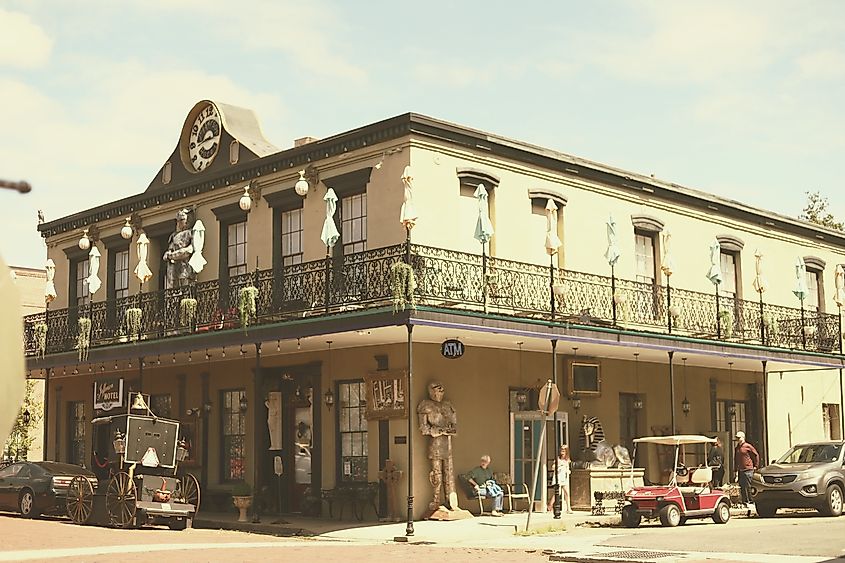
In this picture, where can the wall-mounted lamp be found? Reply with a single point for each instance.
(26, 417)
(243, 404)
(521, 398)
(328, 398)
(576, 403)
(84, 241)
(126, 232)
(307, 178)
(251, 193)
(685, 406)
(638, 401)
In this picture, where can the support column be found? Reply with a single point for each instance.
(258, 445)
(46, 420)
(672, 388)
(765, 412)
(558, 504)
(409, 527)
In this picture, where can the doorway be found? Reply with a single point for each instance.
(526, 433)
(291, 420)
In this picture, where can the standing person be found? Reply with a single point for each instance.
(716, 462)
(482, 479)
(564, 470)
(746, 460)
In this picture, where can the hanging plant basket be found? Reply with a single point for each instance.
(133, 322)
(771, 324)
(187, 311)
(246, 304)
(83, 339)
(39, 334)
(726, 320)
(404, 284)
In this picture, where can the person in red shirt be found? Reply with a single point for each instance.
(746, 460)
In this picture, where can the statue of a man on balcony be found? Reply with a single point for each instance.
(179, 250)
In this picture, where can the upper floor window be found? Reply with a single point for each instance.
(353, 223)
(644, 252)
(83, 297)
(121, 274)
(292, 237)
(729, 274)
(236, 248)
(813, 301)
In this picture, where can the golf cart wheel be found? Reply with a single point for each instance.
(630, 517)
(121, 498)
(833, 501)
(765, 510)
(80, 499)
(722, 513)
(670, 515)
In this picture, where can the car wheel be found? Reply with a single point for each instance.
(630, 517)
(26, 504)
(722, 513)
(833, 504)
(670, 515)
(765, 510)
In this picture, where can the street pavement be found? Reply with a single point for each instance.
(793, 538)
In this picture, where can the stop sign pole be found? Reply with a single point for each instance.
(548, 400)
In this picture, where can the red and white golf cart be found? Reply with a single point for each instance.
(687, 495)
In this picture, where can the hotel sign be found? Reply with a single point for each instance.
(108, 393)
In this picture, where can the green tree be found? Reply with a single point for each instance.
(816, 211)
(21, 437)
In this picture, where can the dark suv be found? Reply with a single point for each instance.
(807, 476)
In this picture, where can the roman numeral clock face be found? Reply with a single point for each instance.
(204, 138)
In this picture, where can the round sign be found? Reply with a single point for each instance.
(548, 397)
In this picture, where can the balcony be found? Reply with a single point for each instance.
(446, 280)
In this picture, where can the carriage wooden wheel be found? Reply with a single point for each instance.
(189, 491)
(121, 498)
(80, 499)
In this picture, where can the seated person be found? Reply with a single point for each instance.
(482, 479)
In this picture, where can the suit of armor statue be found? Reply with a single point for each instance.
(179, 251)
(438, 420)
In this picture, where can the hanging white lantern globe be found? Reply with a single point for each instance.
(84, 242)
(301, 186)
(126, 231)
(245, 203)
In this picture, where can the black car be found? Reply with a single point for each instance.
(38, 487)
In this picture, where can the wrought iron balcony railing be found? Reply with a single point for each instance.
(445, 279)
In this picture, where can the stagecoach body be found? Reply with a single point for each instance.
(139, 482)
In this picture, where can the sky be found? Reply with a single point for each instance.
(739, 99)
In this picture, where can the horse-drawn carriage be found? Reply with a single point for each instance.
(140, 482)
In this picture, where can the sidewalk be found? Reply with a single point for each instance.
(476, 528)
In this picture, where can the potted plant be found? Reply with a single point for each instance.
(242, 499)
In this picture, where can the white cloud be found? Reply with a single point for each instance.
(310, 33)
(691, 42)
(23, 43)
(825, 64)
(78, 155)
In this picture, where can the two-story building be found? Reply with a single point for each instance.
(289, 355)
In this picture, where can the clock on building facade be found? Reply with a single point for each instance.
(203, 138)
